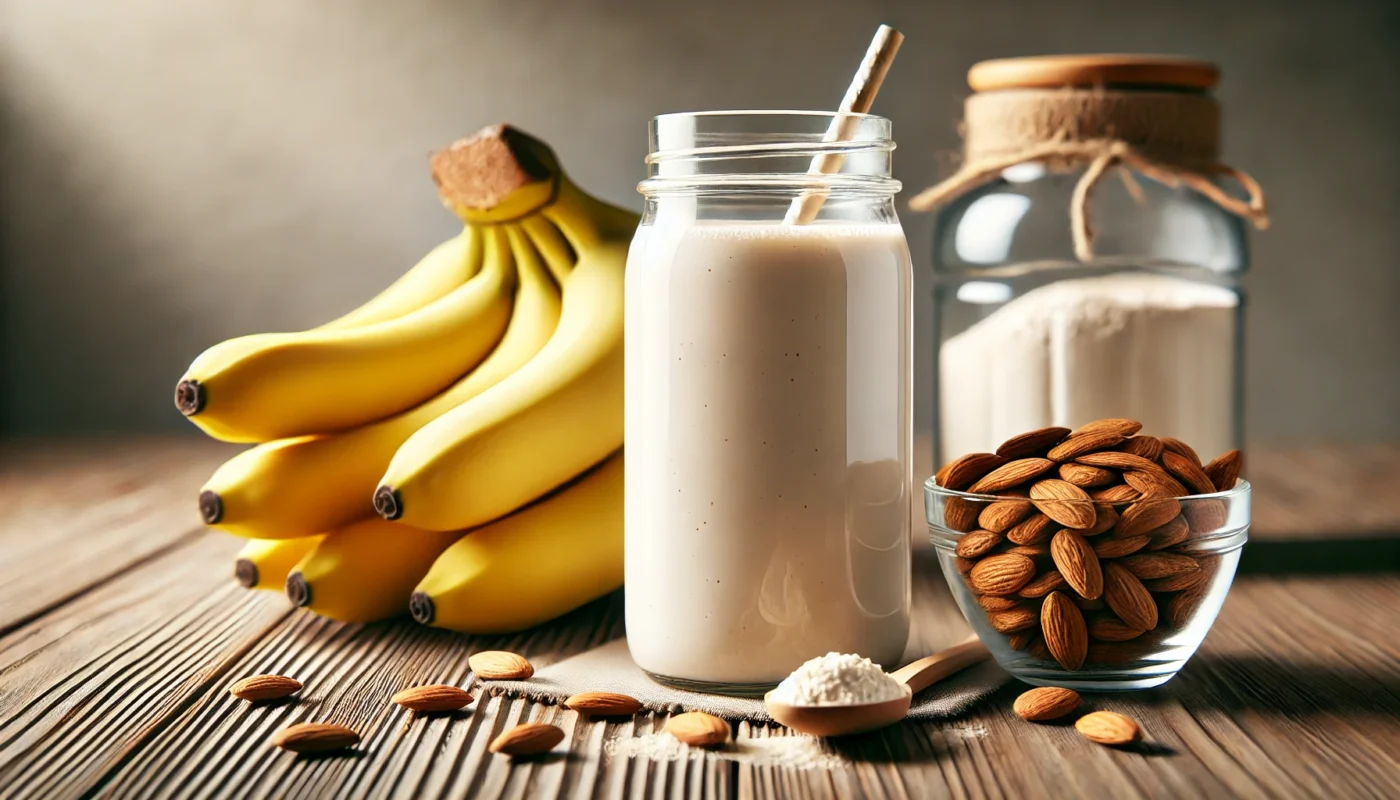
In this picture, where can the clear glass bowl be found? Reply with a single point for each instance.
(1009, 612)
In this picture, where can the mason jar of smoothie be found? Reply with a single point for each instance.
(768, 400)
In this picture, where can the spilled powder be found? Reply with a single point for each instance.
(793, 752)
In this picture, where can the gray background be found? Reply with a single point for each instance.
(174, 173)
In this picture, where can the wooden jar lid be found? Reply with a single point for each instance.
(1039, 72)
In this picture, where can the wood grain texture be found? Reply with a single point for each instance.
(118, 689)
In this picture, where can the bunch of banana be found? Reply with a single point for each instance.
(475, 405)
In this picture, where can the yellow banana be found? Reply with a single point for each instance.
(274, 385)
(558, 415)
(365, 571)
(443, 269)
(298, 487)
(532, 566)
(264, 564)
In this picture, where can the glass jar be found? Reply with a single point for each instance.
(768, 402)
(1044, 320)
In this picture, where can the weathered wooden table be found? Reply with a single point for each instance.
(120, 629)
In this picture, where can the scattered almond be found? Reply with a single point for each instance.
(315, 737)
(1076, 561)
(1032, 443)
(961, 473)
(1180, 448)
(1121, 427)
(1087, 477)
(698, 729)
(604, 704)
(1159, 565)
(1043, 584)
(1146, 515)
(1079, 444)
(1128, 598)
(1034, 529)
(1224, 470)
(1018, 619)
(1108, 727)
(499, 665)
(433, 697)
(1013, 473)
(1064, 502)
(1001, 574)
(1188, 472)
(1046, 703)
(264, 687)
(1062, 625)
(1149, 447)
(977, 543)
(1001, 516)
(527, 739)
(1119, 546)
(1110, 629)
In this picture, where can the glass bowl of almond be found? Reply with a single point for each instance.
(1094, 559)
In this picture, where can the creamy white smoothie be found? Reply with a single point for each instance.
(767, 507)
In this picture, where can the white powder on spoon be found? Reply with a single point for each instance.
(837, 679)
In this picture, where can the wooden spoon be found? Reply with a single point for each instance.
(843, 720)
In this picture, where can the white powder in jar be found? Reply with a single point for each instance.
(837, 679)
(1154, 348)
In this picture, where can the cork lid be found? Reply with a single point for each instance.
(1145, 71)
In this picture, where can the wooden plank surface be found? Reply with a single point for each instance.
(114, 684)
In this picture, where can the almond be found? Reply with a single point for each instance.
(1038, 649)
(1206, 516)
(264, 687)
(1034, 529)
(1113, 459)
(1149, 447)
(1001, 574)
(1087, 477)
(1108, 727)
(527, 739)
(1180, 448)
(1032, 443)
(1019, 619)
(1188, 472)
(1029, 550)
(1078, 445)
(1020, 640)
(1128, 598)
(1043, 584)
(1105, 518)
(962, 565)
(977, 543)
(698, 729)
(1122, 493)
(1182, 607)
(1062, 624)
(1064, 502)
(1002, 515)
(435, 697)
(1159, 565)
(1121, 427)
(1111, 629)
(1013, 473)
(604, 704)
(1169, 535)
(991, 602)
(1096, 604)
(1146, 515)
(499, 665)
(960, 513)
(1177, 582)
(1077, 562)
(961, 473)
(315, 737)
(1118, 546)
(1154, 484)
(1046, 703)
(1224, 470)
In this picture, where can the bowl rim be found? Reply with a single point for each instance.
(1240, 489)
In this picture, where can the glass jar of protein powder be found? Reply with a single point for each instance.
(1087, 256)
